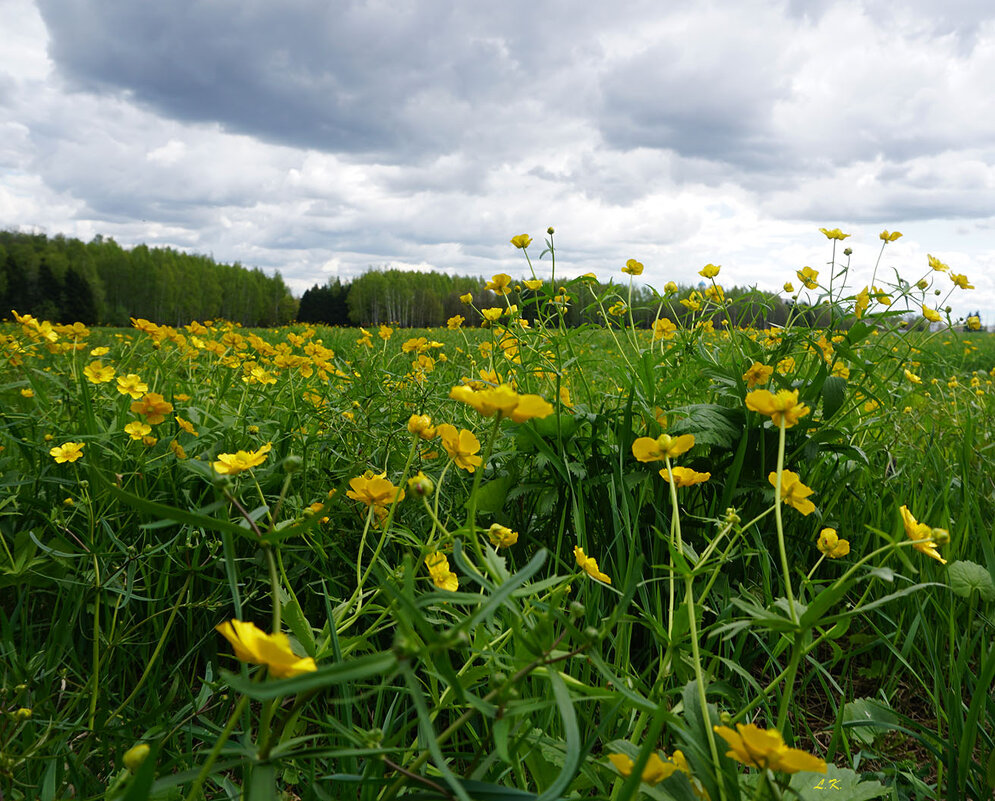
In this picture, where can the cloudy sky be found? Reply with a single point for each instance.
(319, 137)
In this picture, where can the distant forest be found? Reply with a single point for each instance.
(425, 300)
(66, 280)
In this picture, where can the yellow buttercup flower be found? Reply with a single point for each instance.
(793, 492)
(633, 267)
(834, 233)
(783, 406)
(926, 536)
(230, 464)
(421, 425)
(670, 288)
(930, 314)
(455, 322)
(492, 314)
(466, 299)
(757, 373)
(936, 264)
(67, 452)
(97, 373)
(647, 449)
(153, 407)
(961, 281)
(831, 545)
(521, 241)
(589, 565)
(709, 270)
(684, 476)
(135, 756)
(256, 647)
(499, 284)
(137, 429)
(533, 284)
(974, 322)
(186, 425)
(655, 771)
(462, 446)
(862, 302)
(132, 385)
(912, 377)
(663, 329)
(789, 287)
(889, 237)
(808, 277)
(442, 576)
(503, 401)
(765, 749)
(501, 536)
(374, 490)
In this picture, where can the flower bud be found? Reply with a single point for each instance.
(576, 609)
(550, 230)
(135, 756)
(940, 536)
(22, 714)
(421, 485)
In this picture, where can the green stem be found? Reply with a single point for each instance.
(785, 569)
(212, 757)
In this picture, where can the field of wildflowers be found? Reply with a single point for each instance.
(516, 562)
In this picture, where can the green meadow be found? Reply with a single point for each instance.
(666, 559)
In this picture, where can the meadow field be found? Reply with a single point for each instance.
(521, 561)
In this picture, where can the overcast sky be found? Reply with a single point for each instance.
(319, 137)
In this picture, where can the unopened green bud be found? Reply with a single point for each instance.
(550, 230)
(591, 633)
(292, 464)
(576, 609)
(940, 536)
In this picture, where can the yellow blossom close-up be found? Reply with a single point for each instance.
(67, 452)
(230, 464)
(793, 492)
(765, 749)
(649, 449)
(925, 537)
(783, 407)
(251, 644)
(590, 565)
(831, 545)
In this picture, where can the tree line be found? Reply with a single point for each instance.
(98, 282)
(428, 299)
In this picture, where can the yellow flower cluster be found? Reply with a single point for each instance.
(503, 401)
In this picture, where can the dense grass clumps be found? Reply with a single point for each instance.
(688, 560)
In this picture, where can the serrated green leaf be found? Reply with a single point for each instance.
(838, 783)
(964, 577)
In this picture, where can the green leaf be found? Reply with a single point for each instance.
(838, 783)
(491, 496)
(327, 676)
(710, 423)
(866, 710)
(571, 762)
(833, 395)
(966, 577)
